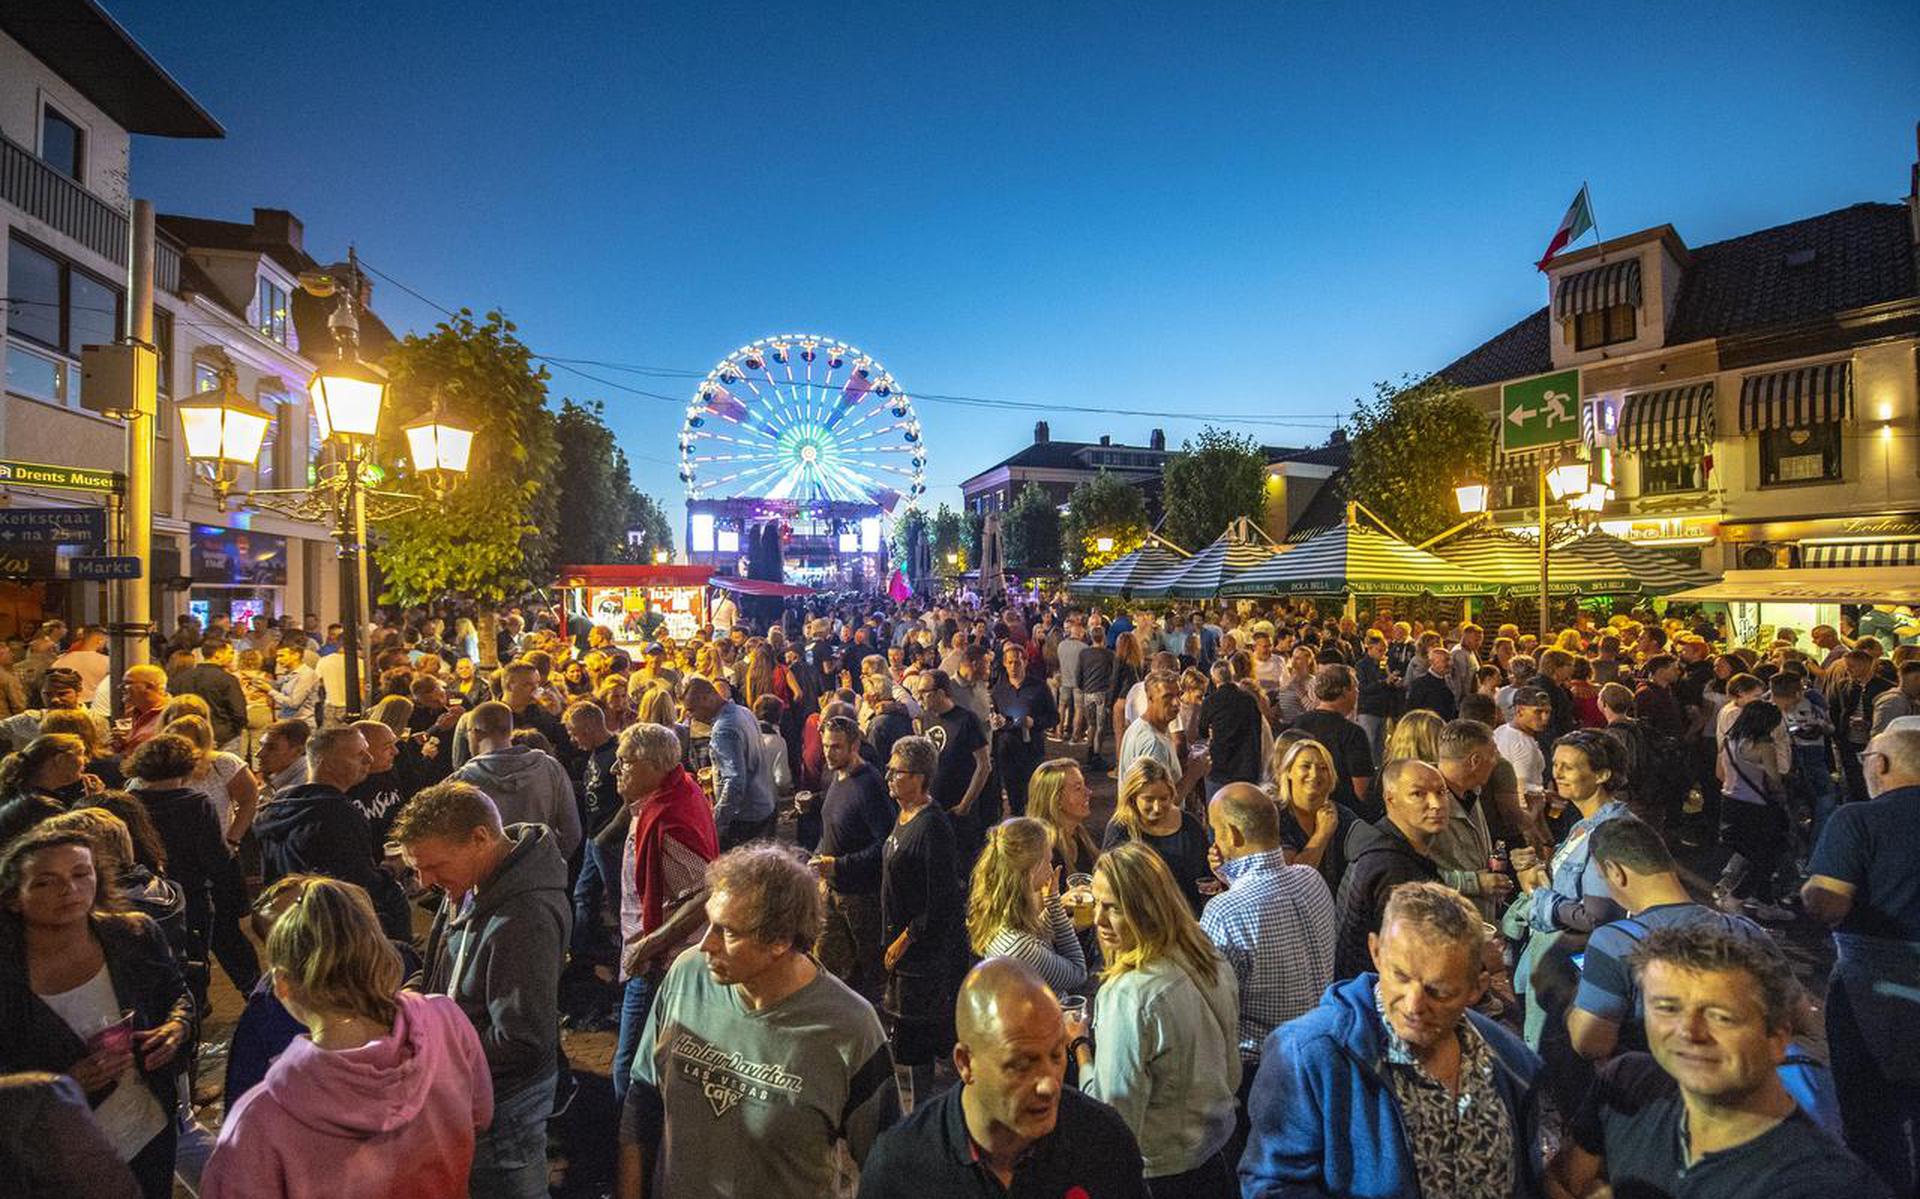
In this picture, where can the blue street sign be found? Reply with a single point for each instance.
(53, 526)
(104, 568)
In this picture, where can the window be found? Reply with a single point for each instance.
(34, 294)
(53, 309)
(1515, 485)
(1672, 469)
(63, 144)
(273, 310)
(206, 377)
(163, 350)
(1809, 455)
(316, 444)
(267, 470)
(1606, 327)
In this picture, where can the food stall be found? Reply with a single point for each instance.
(1881, 598)
(639, 601)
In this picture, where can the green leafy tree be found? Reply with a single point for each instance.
(1413, 443)
(900, 544)
(645, 516)
(1104, 507)
(592, 486)
(483, 539)
(1215, 479)
(1030, 532)
(950, 534)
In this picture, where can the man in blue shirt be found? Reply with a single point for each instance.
(1865, 883)
(742, 771)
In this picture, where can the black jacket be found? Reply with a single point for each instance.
(1379, 858)
(50, 1145)
(1433, 692)
(221, 689)
(315, 829)
(188, 827)
(145, 980)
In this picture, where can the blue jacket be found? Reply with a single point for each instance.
(1325, 1123)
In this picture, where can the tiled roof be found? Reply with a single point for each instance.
(1842, 260)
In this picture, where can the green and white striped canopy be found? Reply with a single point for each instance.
(1201, 576)
(1354, 559)
(1120, 576)
(1657, 573)
(1593, 564)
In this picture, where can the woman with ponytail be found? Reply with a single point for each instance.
(1014, 909)
(42, 780)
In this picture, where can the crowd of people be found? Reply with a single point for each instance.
(1383, 908)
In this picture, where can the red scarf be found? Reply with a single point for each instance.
(678, 808)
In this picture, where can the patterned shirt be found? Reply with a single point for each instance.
(1462, 1144)
(1275, 926)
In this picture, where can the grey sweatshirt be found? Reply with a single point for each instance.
(529, 787)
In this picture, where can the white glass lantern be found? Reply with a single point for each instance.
(1472, 498)
(347, 398)
(1567, 479)
(433, 444)
(223, 426)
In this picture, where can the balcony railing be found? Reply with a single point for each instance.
(47, 195)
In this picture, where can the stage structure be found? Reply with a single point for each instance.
(799, 448)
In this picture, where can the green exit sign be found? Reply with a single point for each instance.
(1541, 411)
(75, 478)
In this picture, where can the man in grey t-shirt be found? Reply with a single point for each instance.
(755, 1062)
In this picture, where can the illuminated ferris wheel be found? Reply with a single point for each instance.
(802, 418)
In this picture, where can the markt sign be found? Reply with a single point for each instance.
(1541, 411)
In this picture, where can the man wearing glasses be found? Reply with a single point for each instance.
(921, 914)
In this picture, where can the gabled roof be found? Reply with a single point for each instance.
(85, 46)
(1852, 258)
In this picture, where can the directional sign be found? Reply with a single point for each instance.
(1541, 411)
(39, 474)
(53, 526)
(105, 568)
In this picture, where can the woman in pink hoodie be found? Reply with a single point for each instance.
(383, 1095)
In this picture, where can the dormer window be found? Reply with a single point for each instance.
(1601, 306)
(274, 311)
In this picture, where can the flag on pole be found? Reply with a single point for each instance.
(1578, 221)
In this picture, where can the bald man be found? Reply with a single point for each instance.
(1012, 1126)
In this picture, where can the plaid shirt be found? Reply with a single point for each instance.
(1275, 926)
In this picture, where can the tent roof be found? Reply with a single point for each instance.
(1124, 573)
(1836, 585)
(1201, 576)
(1357, 559)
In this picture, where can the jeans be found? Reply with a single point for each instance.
(1876, 1068)
(1099, 716)
(1376, 730)
(849, 944)
(596, 890)
(635, 998)
(1811, 763)
(510, 1155)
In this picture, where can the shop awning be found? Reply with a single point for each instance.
(1862, 553)
(1514, 564)
(1358, 560)
(1850, 585)
(1201, 576)
(1797, 398)
(1599, 289)
(1673, 416)
(765, 588)
(1119, 577)
(1654, 571)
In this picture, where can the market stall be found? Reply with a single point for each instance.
(639, 601)
(1351, 560)
(1760, 601)
(1199, 577)
(1119, 577)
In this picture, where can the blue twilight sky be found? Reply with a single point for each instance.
(1225, 210)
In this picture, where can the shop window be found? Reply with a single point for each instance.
(163, 350)
(1515, 486)
(1809, 455)
(1604, 327)
(1673, 470)
(206, 377)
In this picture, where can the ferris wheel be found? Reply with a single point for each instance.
(803, 418)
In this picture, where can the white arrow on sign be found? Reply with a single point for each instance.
(1520, 416)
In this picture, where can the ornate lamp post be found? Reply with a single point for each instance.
(1570, 480)
(224, 431)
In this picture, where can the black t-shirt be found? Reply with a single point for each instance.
(855, 818)
(920, 890)
(1184, 852)
(1229, 722)
(379, 798)
(1434, 693)
(602, 788)
(1632, 1118)
(958, 736)
(930, 1155)
(1347, 743)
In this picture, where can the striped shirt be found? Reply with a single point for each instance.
(1275, 926)
(1061, 965)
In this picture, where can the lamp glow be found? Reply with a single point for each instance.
(1471, 497)
(347, 397)
(1567, 479)
(223, 426)
(660, 556)
(433, 444)
(1103, 545)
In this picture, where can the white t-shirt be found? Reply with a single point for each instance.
(1523, 751)
(1145, 741)
(130, 1116)
(1136, 702)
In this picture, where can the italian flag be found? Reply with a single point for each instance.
(1579, 220)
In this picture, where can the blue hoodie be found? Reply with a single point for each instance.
(1324, 1121)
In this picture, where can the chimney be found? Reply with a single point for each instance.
(1106, 439)
(1157, 440)
(1041, 434)
(278, 227)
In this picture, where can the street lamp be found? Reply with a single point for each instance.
(1103, 545)
(348, 396)
(1571, 480)
(1472, 498)
(660, 557)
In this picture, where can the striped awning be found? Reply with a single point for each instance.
(1797, 399)
(1358, 560)
(1200, 576)
(1120, 576)
(1673, 416)
(1656, 572)
(1864, 553)
(1599, 289)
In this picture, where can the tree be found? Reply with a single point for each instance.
(645, 516)
(1413, 443)
(1030, 532)
(1105, 506)
(483, 539)
(950, 534)
(1214, 480)
(900, 544)
(592, 486)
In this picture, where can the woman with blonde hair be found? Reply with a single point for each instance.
(757, 677)
(222, 777)
(1313, 827)
(1058, 797)
(1415, 735)
(1014, 908)
(1168, 1015)
(384, 1094)
(1149, 812)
